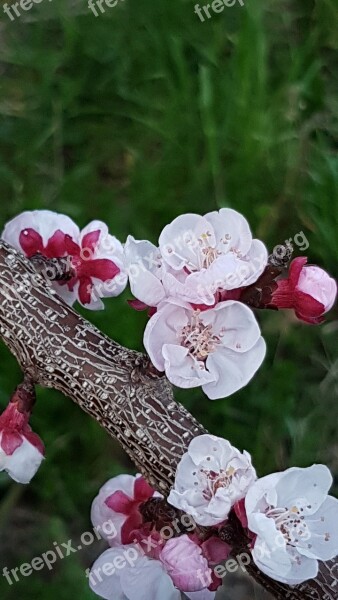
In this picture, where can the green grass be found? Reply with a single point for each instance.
(133, 118)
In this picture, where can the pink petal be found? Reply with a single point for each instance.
(142, 490)
(90, 240)
(71, 247)
(101, 268)
(127, 530)
(307, 308)
(215, 551)
(56, 247)
(10, 441)
(31, 242)
(85, 290)
(12, 419)
(137, 305)
(283, 296)
(295, 270)
(149, 539)
(119, 502)
(35, 440)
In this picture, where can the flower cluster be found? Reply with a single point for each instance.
(197, 285)
(95, 257)
(289, 516)
(21, 450)
(160, 562)
(200, 334)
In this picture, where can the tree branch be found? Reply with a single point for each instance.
(59, 349)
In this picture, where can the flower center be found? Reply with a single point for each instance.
(213, 480)
(209, 254)
(291, 523)
(199, 338)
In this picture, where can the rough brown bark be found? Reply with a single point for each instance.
(59, 349)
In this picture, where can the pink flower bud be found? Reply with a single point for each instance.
(21, 450)
(184, 562)
(309, 290)
(118, 504)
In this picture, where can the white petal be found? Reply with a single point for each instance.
(179, 241)
(235, 324)
(302, 569)
(270, 552)
(206, 445)
(161, 329)
(182, 369)
(184, 473)
(229, 222)
(256, 498)
(23, 464)
(144, 253)
(202, 595)
(233, 370)
(69, 297)
(44, 222)
(190, 289)
(113, 287)
(226, 272)
(308, 487)
(324, 532)
(219, 505)
(144, 269)
(104, 519)
(107, 586)
(147, 288)
(258, 259)
(148, 580)
(192, 503)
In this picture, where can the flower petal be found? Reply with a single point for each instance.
(308, 487)
(101, 268)
(23, 464)
(181, 241)
(235, 323)
(162, 329)
(148, 581)
(119, 502)
(230, 227)
(323, 543)
(182, 369)
(44, 222)
(10, 441)
(102, 515)
(202, 595)
(232, 370)
(31, 242)
(104, 578)
(142, 490)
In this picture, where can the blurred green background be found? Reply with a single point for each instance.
(134, 117)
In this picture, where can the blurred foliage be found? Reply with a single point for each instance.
(135, 117)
